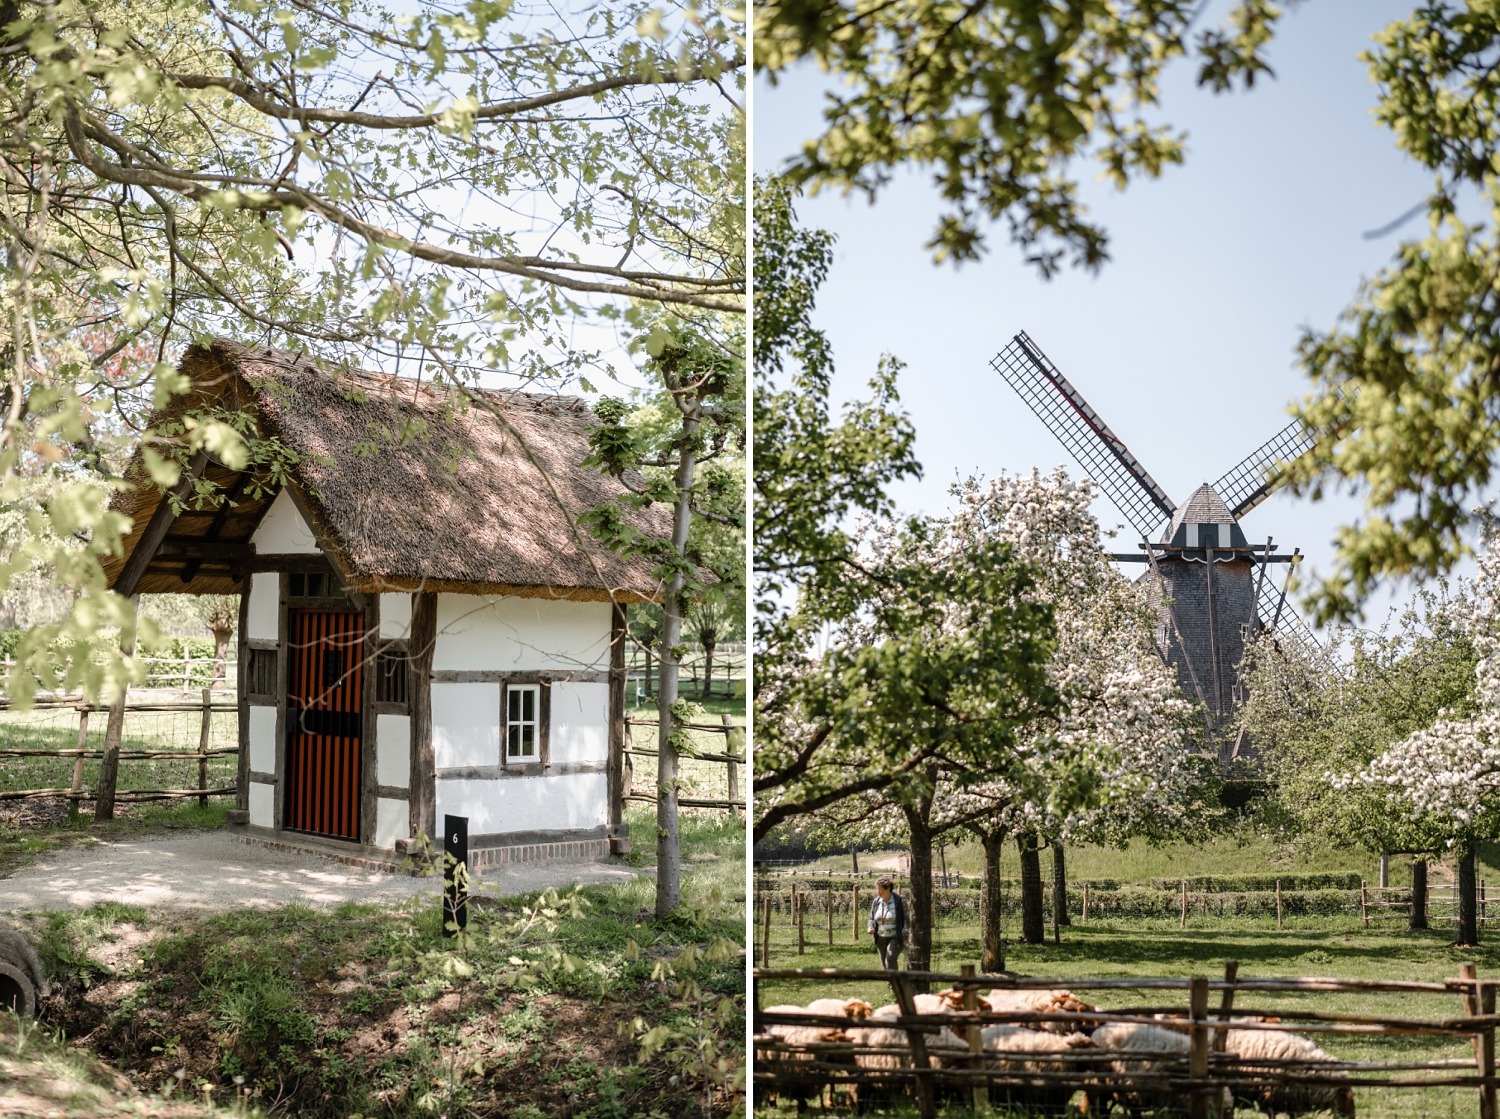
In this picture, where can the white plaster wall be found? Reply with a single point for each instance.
(580, 722)
(520, 634)
(395, 615)
(263, 739)
(262, 804)
(392, 821)
(265, 601)
(573, 800)
(282, 530)
(393, 750)
(465, 724)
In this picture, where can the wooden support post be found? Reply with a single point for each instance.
(734, 747)
(1485, 1051)
(1183, 923)
(765, 936)
(1364, 903)
(854, 912)
(901, 984)
(1278, 903)
(800, 907)
(1085, 917)
(204, 729)
(976, 1042)
(1198, 1047)
(75, 794)
(1226, 1004)
(1385, 871)
(830, 914)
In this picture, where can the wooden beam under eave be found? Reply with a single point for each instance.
(156, 529)
(421, 641)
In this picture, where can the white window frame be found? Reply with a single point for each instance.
(513, 724)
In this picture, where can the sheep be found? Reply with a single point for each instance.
(792, 1082)
(856, 1009)
(1251, 1046)
(893, 1047)
(1141, 1040)
(1003, 1000)
(1016, 1050)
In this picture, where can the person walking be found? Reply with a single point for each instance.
(888, 923)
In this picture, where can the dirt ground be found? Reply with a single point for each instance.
(212, 871)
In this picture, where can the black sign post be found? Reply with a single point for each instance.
(455, 886)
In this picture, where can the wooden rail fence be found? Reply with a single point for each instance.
(962, 1071)
(733, 757)
(76, 793)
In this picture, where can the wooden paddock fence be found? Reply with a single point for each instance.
(732, 757)
(76, 793)
(1200, 1076)
(814, 904)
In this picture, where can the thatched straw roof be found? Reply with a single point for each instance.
(406, 486)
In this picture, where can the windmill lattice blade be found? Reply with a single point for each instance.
(1085, 436)
(1246, 486)
(1277, 615)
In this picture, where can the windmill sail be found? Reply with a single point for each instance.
(1276, 614)
(1085, 436)
(1248, 484)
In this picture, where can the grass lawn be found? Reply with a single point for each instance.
(580, 1004)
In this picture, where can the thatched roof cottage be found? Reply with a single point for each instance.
(424, 628)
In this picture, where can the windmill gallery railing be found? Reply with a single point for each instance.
(940, 1055)
(36, 763)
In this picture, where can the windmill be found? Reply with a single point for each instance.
(1209, 582)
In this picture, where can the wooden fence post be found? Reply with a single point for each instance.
(1364, 903)
(976, 1042)
(765, 936)
(901, 984)
(830, 914)
(75, 794)
(1278, 903)
(1226, 1004)
(1197, 1045)
(1183, 923)
(854, 912)
(1485, 1051)
(801, 929)
(1085, 918)
(203, 733)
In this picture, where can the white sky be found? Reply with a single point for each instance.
(1184, 343)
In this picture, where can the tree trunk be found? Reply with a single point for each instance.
(1418, 894)
(221, 658)
(920, 957)
(1059, 884)
(1468, 900)
(991, 931)
(109, 767)
(668, 851)
(1033, 924)
(708, 666)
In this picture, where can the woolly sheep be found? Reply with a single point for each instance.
(791, 1082)
(850, 1008)
(1294, 1099)
(1017, 1050)
(1140, 1038)
(1003, 1000)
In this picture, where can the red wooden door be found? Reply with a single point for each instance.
(324, 699)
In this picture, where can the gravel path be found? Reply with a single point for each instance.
(210, 870)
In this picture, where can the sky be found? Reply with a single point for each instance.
(1185, 342)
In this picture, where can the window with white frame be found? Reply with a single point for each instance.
(523, 722)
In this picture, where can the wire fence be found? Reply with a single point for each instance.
(1166, 1045)
(170, 747)
(711, 776)
(803, 910)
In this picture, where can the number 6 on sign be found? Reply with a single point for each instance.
(455, 874)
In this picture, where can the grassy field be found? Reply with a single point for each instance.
(577, 1004)
(701, 779)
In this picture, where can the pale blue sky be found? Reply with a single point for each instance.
(1184, 343)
